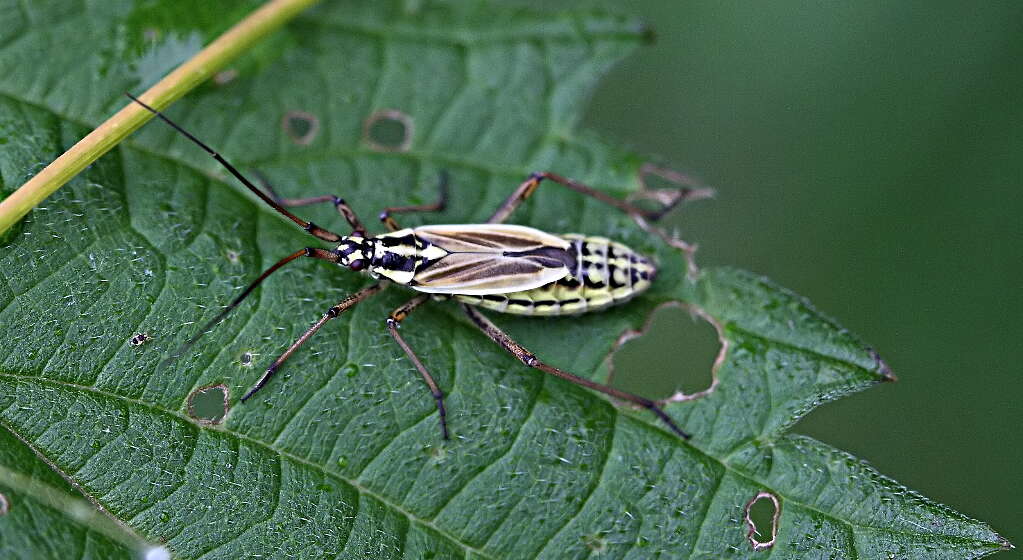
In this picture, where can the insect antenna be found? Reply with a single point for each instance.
(322, 254)
(307, 226)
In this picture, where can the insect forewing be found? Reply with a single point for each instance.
(492, 259)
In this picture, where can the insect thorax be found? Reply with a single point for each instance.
(397, 256)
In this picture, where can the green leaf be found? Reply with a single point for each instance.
(341, 455)
(43, 517)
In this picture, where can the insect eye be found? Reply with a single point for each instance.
(357, 264)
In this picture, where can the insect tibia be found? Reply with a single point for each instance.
(529, 359)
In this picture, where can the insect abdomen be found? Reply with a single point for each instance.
(607, 273)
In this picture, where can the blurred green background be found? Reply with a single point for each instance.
(869, 156)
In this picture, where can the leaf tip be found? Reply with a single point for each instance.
(882, 368)
(647, 33)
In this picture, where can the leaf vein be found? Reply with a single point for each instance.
(511, 445)
(359, 487)
(594, 488)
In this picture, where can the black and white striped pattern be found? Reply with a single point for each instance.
(607, 273)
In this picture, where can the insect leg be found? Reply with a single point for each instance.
(393, 322)
(339, 203)
(313, 229)
(529, 185)
(442, 202)
(530, 359)
(331, 313)
(322, 254)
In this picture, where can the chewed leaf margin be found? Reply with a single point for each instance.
(341, 455)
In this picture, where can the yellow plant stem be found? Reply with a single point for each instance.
(172, 87)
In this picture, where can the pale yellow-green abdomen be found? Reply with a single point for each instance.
(607, 273)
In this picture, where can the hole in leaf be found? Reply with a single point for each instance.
(672, 357)
(209, 405)
(760, 514)
(762, 511)
(5, 506)
(388, 130)
(140, 339)
(301, 127)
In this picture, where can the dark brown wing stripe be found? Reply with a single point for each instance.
(549, 257)
(461, 268)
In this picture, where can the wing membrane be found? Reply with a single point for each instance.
(488, 238)
(492, 259)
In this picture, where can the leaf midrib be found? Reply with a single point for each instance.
(412, 517)
(415, 155)
(240, 437)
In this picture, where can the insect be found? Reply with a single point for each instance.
(494, 266)
(140, 339)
